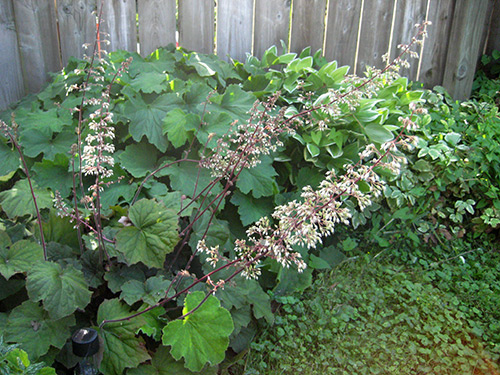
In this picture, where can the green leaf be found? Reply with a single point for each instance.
(251, 209)
(291, 281)
(318, 263)
(164, 364)
(31, 326)
(189, 178)
(54, 174)
(258, 180)
(215, 125)
(139, 159)
(120, 274)
(153, 323)
(122, 349)
(234, 102)
(9, 158)
(378, 134)
(201, 337)
(62, 291)
(36, 141)
(52, 120)
(150, 291)
(149, 82)
(19, 202)
(147, 118)
(18, 257)
(180, 126)
(152, 236)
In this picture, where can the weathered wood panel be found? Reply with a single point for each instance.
(375, 34)
(196, 25)
(38, 41)
(77, 26)
(408, 13)
(342, 31)
(493, 41)
(308, 25)
(234, 28)
(118, 22)
(272, 22)
(466, 32)
(433, 59)
(156, 24)
(11, 77)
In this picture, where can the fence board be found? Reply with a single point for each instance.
(466, 32)
(342, 31)
(433, 59)
(234, 28)
(272, 22)
(77, 23)
(38, 41)
(196, 25)
(156, 24)
(118, 21)
(408, 13)
(11, 79)
(375, 34)
(493, 42)
(308, 25)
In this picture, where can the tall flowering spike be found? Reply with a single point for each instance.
(244, 144)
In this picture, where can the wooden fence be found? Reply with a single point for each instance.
(38, 36)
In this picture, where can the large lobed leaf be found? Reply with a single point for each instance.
(18, 200)
(152, 236)
(30, 325)
(18, 257)
(121, 348)
(62, 291)
(201, 337)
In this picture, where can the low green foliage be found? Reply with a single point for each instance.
(366, 318)
(15, 361)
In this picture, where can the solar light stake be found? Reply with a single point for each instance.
(86, 345)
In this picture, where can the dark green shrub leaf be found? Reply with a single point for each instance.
(62, 291)
(146, 118)
(54, 174)
(152, 236)
(201, 337)
(149, 82)
(139, 159)
(10, 159)
(37, 141)
(251, 209)
(19, 202)
(378, 134)
(122, 349)
(180, 126)
(150, 291)
(18, 257)
(258, 180)
(31, 326)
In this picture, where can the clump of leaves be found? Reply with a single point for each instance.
(144, 242)
(366, 318)
(15, 361)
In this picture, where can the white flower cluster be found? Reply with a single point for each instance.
(244, 144)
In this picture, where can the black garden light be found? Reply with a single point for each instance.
(86, 345)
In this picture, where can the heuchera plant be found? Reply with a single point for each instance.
(142, 196)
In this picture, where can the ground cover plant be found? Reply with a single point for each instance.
(131, 181)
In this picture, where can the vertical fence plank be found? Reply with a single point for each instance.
(433, 59)
(77, 26)
(196, 25)
(38, 41)
(308, 25)
(118, 21)
(469, 20)
(408, 13)
(493, 42)
(375, 33)
(11, 76)
(342, 31)
(156, 24)
(272, 22)
(234, 28)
